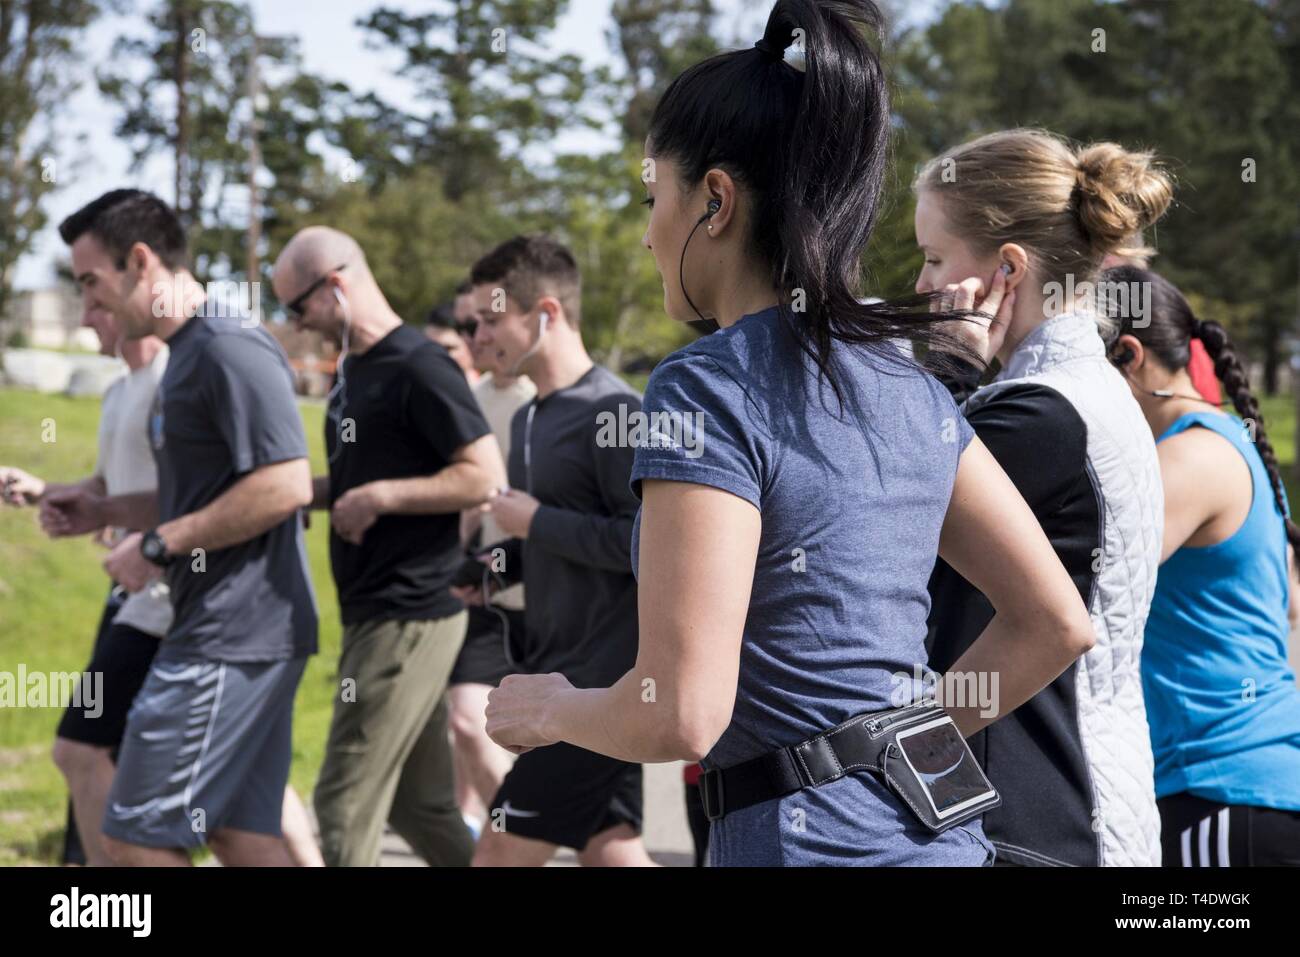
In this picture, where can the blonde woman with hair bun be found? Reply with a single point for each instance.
(1014, 226)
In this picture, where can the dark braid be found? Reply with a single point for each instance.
(1166, 333)
(1235, 382)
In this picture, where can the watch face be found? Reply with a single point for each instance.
(153, 548)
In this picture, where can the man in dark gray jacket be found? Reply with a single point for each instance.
(570, 507)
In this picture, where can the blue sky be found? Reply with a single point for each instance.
(331, 46)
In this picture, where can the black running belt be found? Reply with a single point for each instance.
(856, 744)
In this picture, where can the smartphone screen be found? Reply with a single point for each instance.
(945, 766)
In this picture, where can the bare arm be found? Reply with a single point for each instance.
(20, 488)
(258, 502)
(93, 484)
(698, 549)
(475, 472)
(1192, 503)
(78, 509)
(991, 538)
(139, 510)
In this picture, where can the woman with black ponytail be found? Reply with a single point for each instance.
(798, 473)
(1221, 699)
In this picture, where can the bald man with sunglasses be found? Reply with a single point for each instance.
(408, 449)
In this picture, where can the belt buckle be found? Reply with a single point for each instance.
(711, 794)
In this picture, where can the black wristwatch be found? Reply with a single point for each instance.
(154, 548)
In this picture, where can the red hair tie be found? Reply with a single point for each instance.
(1201, 368)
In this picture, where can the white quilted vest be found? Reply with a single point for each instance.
(1066, 353)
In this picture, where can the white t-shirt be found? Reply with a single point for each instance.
(499, 407)
(126, 465)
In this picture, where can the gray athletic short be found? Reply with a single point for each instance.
(207, 746)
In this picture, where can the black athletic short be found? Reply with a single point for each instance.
(1195, 832)
(122, 654)
(482, 658)
(566, 795)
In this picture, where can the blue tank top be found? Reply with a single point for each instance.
(1221, 698)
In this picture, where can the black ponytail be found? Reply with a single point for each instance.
(1167, 333)
(1236, 384)
(812, 147)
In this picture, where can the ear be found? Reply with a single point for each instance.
(1133, 344)
(140, 258)
(1014, 255)
(718, 185)
(551, 305)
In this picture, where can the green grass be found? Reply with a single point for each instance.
(51, 594)
(1278, 413)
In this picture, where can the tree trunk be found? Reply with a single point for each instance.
(254, 237)
(1272, 356)
(180, 75)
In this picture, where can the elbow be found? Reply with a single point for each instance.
(690, 750)
(1062, 630)
(695, 733)
(498, 478)
(303, 496)
(301, 492)
(297, 492)
(490, 482)
(1077, 633)
(479, 482)
(490, 468)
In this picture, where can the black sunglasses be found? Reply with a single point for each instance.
(295, 305)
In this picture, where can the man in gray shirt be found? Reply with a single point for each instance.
(205, 757)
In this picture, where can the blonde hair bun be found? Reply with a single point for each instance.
(1119, 194)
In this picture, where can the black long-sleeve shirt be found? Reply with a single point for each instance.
(581, 609)
(1034, 756)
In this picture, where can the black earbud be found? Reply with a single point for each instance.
(1123, 358)
(714, 206)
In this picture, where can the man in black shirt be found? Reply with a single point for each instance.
(571, 504)
(408, 449)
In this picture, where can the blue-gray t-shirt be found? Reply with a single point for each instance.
(224, 408)
(852, 501)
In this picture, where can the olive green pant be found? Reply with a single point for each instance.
(388, 757)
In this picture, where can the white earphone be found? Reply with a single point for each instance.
(347, 322)
(543, 319)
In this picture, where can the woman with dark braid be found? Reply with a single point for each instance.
(1221, 699)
